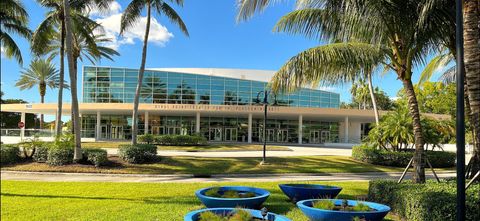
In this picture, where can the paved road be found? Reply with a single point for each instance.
(92, 177)
(296, 151)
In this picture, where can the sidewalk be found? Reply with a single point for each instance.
(296, 151)
(144, 178)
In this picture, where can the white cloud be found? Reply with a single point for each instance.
(114, 8)
(110, 22)
(327, 88)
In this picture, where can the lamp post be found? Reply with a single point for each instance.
(460, 124)
(265, 105)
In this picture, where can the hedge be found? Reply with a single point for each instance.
(173, 140)
(368, 154)
(41, 152)
(60, 155)
(9, 153)
(430, 201)
(95, 156)
(139, 153)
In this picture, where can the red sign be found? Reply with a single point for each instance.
(21, 124)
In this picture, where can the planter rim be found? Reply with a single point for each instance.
(385, 208)
(190, 215)
(263, 193)
(314, 186)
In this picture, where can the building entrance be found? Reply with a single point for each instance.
(112, 132)
(215, 134)
(230, 134)
(325, 136)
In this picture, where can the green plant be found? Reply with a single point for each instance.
(96, 156)
(9, 154)
(139, 153)
(241, 215)
(146, 138)
(30, 146)
(213, 192)
(41, 153)
(430, 201)
(60, 155)
(210, 216)
(361, 207)
(324, 204)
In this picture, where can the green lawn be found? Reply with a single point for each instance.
(26, 200)
(199, 165)
(210, 147)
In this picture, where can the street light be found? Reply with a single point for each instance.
(265, 105)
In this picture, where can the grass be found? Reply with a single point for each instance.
(23, 200)
(205, 166)
(210, 147)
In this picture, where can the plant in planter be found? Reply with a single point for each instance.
(233, 214)
(298, 192)
(342, 210)
(232, 196)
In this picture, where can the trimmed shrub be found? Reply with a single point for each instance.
(180, 140)
(60, 155)
(369, 154)
(430, 201)
(146, 138)
(41, 152)
(9, 153)
(139, 153)
(95, 156)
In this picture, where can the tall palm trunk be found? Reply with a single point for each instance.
(140, 78)
(58, 119)
(372, 96)
(471, 35)
(418, 163)
(73, 82)
(42, 88)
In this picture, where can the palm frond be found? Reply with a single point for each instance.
(438, 62)
(164, 8)
(131, 15)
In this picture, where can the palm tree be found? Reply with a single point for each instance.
(129, 18)
(53, 23)
(41, 73)
(401, 33)
(13, 20)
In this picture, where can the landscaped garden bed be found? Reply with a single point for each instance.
(189, 148)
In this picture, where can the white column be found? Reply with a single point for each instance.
(249, 128)
(346, 129)
(22, 130)
(98, 133)
(146, 123)
(300, 129)
(197, 123)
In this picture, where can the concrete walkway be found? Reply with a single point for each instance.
(296, 151)
(141, 178)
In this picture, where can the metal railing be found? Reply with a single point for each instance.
(28, 132)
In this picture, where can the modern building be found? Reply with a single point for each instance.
(224, 105)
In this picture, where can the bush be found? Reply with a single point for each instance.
(60, 155)
(180, 140)
(146, 138)
(61, 152)
(9, 154)
(30, 146)
(41, 152)
(96, 156)
(139, 153)
(369, 154)
(430, 201)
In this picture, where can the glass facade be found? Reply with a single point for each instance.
(117, 85)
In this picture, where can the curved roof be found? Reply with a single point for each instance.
(244, 74)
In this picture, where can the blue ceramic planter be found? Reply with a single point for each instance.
(298, 192)
(250, 202)
(315, 214)
(194, 215)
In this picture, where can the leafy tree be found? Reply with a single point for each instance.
(129, 18)
(13, 20)
(41, 73)
(10, 120)
(433, 97)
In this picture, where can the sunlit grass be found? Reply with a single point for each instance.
(210, 147)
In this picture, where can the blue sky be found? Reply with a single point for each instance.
(215, 41)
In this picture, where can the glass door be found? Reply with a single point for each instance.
(325, 136)
(230, 134)
(105, 132)
(282, 136)
(215, 134)
(270, 135)
(173, 130)
(157, 130)
(116, 132)
(315, 136)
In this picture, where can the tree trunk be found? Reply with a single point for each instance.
(140, 78)
(372, 96)
(73, 82)
(418, 159)
(471, 35)
(58, 119)
(42, 100)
